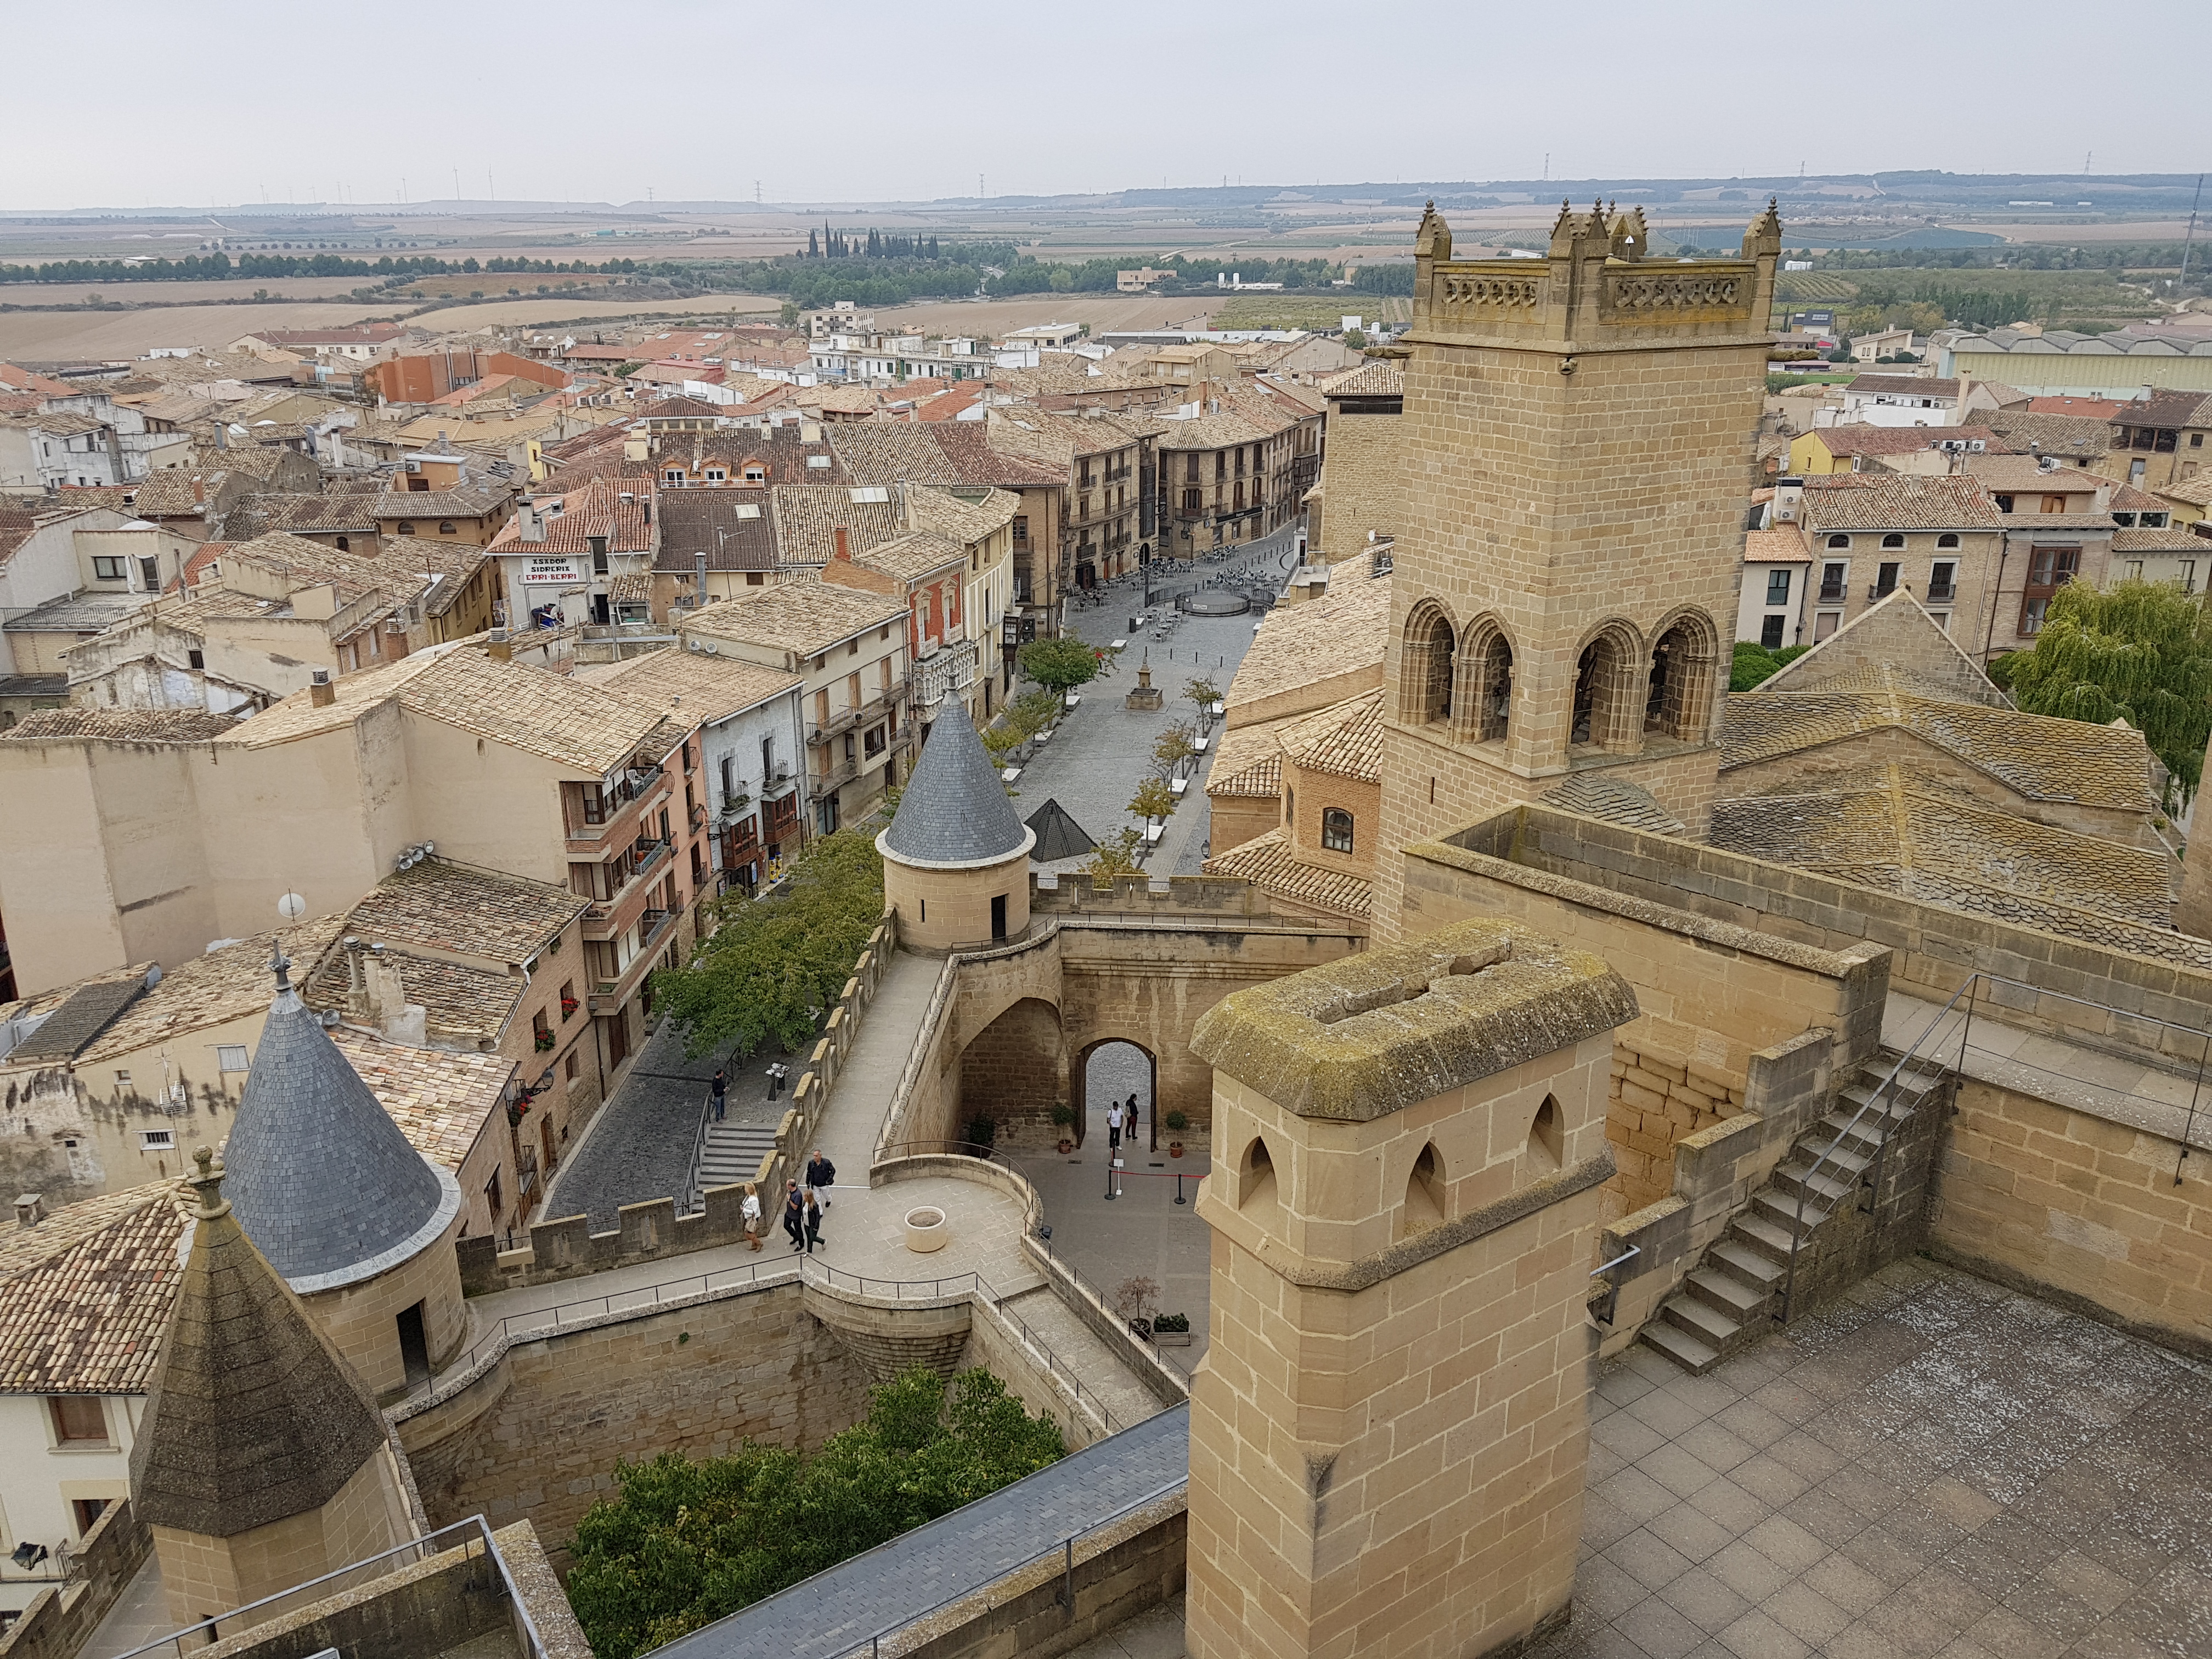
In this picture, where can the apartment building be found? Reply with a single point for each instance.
(171, 829)
(752, 735)
(849, 649)
(1869, 534)
(1237, 470)
(2160, 440)
(444, 496)
(41, 450)
(1109, 520)
(927, 573)
(584, 555)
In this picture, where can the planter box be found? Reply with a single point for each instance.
(1171, 1339)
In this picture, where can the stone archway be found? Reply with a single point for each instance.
(1111, 1069)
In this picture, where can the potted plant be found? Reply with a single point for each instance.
(1171, 1330)
(1063, 1118)
(982, 1132)
(1176, 1122)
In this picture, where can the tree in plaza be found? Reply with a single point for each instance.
(1062, 664)
(2141, 651)
(1173, 747)
(1116, 856)
(1204, 693)
(1153, 800)
(686, 1543)
(773, 965)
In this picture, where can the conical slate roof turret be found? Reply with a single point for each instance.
(251, 1416)
(955, 813)
(324, 1183)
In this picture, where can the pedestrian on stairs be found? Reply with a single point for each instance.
(717, 1087)
(750, 1209)
(794, 1216)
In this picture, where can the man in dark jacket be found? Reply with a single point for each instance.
(821, 1175)
(794, 1216)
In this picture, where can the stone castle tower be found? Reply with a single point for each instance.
(1390, 1432)
(1578, 430)
(261, 1461)
(956, 855)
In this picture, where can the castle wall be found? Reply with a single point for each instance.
(1713, 996)
(2078, 1208)
(538, 1434)
(362, 1319)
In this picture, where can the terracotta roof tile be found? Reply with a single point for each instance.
(1345, 740)
(1266, 862)
(85, 1295)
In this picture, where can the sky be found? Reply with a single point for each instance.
(232, 101)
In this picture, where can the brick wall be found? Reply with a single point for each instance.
(2081, 1209)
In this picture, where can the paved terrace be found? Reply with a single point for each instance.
(1931, 1466)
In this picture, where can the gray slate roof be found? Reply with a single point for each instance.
(324, 1181)
(955, 810)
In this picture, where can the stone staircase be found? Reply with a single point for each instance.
(733, 1154)
(1729, 1298)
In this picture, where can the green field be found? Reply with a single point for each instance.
(1308, 311)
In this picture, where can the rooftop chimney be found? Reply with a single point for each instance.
(199, 490)
(499, 647)
(320, 691)
(30, 1209)
(844, 548)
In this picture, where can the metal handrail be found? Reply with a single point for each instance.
(1064, 1547)
(1612, 1302)
(1882, 1147)
(534, 1644)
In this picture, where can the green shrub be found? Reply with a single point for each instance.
(687, 1543)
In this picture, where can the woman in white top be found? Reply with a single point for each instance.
(752, 1211)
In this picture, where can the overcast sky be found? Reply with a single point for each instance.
(140, 102)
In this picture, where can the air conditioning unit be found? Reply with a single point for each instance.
(694, 645)
(1976, 445)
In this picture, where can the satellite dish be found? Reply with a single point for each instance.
(291, 907)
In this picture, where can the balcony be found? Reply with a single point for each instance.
(610, 916)
(608, 995)
(876, 708)
(1941, 592)
(637, 789)
(1832, 592)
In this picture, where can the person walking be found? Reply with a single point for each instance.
(821, 1175)
(750, 1209)
(813, 1221)
(794, 1216)
(717, 1088)
(1129, 1118)
(1114, 1127)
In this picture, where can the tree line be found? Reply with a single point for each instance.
(217, 267)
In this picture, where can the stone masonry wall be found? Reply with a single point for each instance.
(1656, 1101)
(1363, 482)
(1017, 1066)
(2079, 1208)
(699, 1378)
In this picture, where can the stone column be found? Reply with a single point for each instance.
(1389, 1432)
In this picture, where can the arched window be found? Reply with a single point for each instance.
(345, 543)
(1426, 674)
(1497, 707)
(406, 528)
(1255, 1183)
(1680, 695)
(1336, 829)
(1893, 540)
(1946, 539)
(1604, 704)
(445, 528)
(1839, 541)
(1424, 1193)
(1547, 1136)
